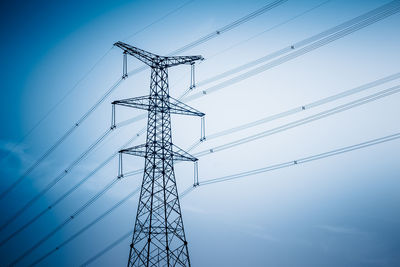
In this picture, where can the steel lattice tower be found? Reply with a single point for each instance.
(158, 236)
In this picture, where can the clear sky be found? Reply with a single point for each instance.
(336, 211)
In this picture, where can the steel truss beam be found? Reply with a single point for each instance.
(173, 106)
(156, 61)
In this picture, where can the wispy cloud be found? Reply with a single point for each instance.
(18, 151)
(260, 232)
(341, 229)
(14, 158)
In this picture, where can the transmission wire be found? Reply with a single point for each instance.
(272, 56)
(301, 108)
(267, 30)
(68, 220)
(158, 20)
(85, 76)
(303, 121)
(290, 125)
(221, 30)
(135, 71)
(55, 180)
(258, 171)
(70, 191)
(340, 108)
(60, 140)
(361, 22)
(36, 125)
(88, 226)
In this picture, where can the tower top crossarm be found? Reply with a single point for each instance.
(156, 61)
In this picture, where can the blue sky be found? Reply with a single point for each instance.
(338, 211)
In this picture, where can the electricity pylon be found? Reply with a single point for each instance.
(158, 236)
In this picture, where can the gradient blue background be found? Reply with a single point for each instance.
(340, 211)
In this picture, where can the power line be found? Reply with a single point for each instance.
(63, 174)
(93, 199)
(268, 29)
(158, 20)
(135, 71)
(340, 108)
(258, 171)
(302, 108)
(201, 40)
(253, 63)
(188, 90)
(57, 179)
(39, 122)
(295, 163)
(321, 115)
(68, 220)
(221, 30)
(87, 74)
(303, 121)
(273, 55)
(219, 86)
(230, 26)
(60, 140)
(303, 160)
(74, 215)
(88, 226)
(65, 195)
(309, 44)
(119, 240)
(285, 113)
(109, 247)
